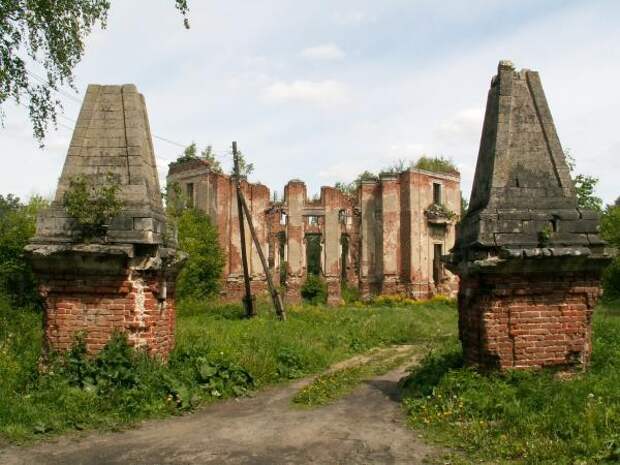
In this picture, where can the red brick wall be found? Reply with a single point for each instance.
(520, 321)
(99, 305)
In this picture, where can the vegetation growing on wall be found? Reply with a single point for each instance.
(207, 154)
(437, 164)
(93, 204)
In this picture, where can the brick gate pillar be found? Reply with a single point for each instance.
(122, 280)
(529, 259)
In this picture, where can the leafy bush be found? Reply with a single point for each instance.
(223, 378)
(200, 277)
(290, 363)
(350, 294)
(314, 290)
(93, 204)
(116, 366)
(17, 226)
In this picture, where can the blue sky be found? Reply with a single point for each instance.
(323, 90)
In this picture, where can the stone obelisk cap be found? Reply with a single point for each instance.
(112, 136)
(523, 202)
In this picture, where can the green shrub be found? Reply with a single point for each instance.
(290, 363)
(350, 294)
(116, 366)
(200, 277)
(93, 204)
(314, 290)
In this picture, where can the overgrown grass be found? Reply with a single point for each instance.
(517, 417)
(219, 354)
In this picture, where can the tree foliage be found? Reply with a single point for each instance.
(198, 237)
(585, 186)
(51, 34)
(610, 231)
(245, 168)
(610, 225)
(17, 226)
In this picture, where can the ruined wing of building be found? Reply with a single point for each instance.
(386, 238)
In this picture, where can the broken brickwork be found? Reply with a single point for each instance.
(529, 259)
(385, 238)
(125, 280)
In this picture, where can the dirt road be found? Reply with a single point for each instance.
(365, 427)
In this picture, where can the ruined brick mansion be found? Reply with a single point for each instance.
(385, 238)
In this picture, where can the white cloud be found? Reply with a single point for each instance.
(351, 18)
(344, 171)
(463, 127)
(319, 92)
(326, 52)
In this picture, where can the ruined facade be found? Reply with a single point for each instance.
(385, 238)
(124, 280)
(529, 259)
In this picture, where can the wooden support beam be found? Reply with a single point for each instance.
(248, 302)
(275, 296)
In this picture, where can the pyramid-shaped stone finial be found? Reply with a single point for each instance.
(112, 137)
(522, 186)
